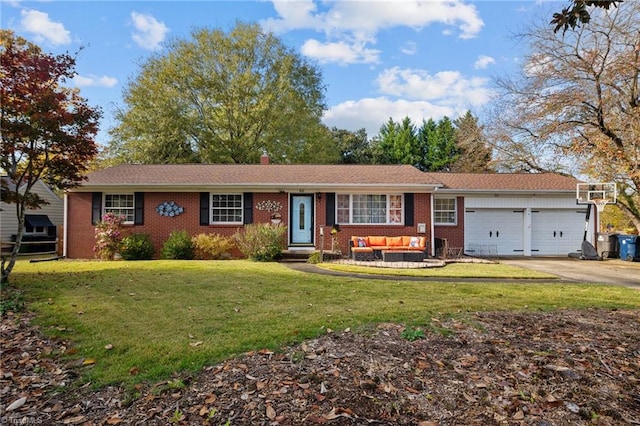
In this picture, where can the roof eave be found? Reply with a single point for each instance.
(504, 191)
(261, 187)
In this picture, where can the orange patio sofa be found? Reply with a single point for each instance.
(371, 247)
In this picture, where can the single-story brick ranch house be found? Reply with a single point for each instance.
(516, 214)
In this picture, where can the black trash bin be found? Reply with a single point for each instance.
(607, 245)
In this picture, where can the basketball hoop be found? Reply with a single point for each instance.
(600, 204)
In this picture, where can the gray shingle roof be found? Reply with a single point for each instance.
(505, 181)
(265, 176)
(317, 177)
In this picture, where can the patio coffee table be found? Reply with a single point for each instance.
(402, 256)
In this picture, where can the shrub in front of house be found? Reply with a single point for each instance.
(314, 257)
(137, 247)
(178, 246)
(261, 242)
(109, 234)
(212, 246)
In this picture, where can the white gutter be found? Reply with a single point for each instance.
(65, 220)
(433, 233)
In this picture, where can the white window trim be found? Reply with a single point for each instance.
(133, 209)
(455, 211)
(388, 210)
(212, 194)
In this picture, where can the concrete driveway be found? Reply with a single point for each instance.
(608, 271)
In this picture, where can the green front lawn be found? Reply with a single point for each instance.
(166, 316)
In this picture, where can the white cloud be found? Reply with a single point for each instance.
(412, 93)
(95, 81)
(339, 52)
(373, 15)
(356, 23)
(446, 87)
(372, 113)
(149, 32)
(538, 65)
(44, 29)
(483, 62)
(410, 48)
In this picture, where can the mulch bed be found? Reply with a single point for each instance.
(555, 368)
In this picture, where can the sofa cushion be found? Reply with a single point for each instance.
(359, 241)
(362, 250)
(394, 241)
(377, 241)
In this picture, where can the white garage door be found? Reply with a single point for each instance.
(501, 229)
(556, 232)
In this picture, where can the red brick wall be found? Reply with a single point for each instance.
(81, 232)
(453, 233)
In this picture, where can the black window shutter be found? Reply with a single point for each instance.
(331, 208)
(408, 209)
(248, 208)
(96, 207)
(204, 209)
(138, 218)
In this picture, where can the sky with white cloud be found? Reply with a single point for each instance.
(379, 59)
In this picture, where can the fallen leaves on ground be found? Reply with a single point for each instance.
(543, 369)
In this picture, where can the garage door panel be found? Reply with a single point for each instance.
(501, 229)
(556, 232)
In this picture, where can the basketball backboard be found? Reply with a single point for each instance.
(596, 192)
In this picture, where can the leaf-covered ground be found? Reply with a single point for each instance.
(556, 368)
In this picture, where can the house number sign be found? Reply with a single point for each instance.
(169, 209)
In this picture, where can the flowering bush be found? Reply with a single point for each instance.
(108, 236)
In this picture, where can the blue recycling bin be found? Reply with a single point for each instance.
(628, 247)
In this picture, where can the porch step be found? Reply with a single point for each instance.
(295, 255)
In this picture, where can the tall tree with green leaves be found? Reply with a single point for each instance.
(353, 147)
(221, 98)
(474, 151)
(396, 143)
(438, 144)
(48, 130)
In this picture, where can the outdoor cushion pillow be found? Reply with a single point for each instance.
(415, 242)
(394, 241)
(362, 242)
(377, 241)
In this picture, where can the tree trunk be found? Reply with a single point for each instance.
(630, 214)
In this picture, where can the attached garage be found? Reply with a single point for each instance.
(514, 214)
(529, 231)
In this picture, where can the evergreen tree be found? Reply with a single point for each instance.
(475, 153)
